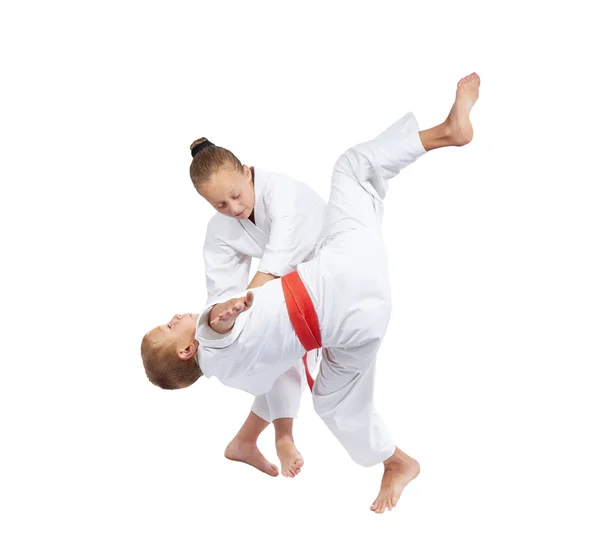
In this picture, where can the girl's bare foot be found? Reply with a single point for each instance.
(399, 470)
(289, 456)
(247, 452)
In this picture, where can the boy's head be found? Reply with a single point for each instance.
(222, 180)
(169, 353)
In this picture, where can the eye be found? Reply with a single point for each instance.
(236, 196)
(169, 326)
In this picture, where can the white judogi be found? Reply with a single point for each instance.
(289, 219)
(349, 286)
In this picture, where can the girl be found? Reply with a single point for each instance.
(279, 220)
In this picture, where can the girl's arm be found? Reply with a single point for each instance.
(260, 278)
(227, 270)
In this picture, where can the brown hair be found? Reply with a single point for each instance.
(164, 367)
(209, 160)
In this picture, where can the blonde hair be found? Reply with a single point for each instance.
(210, 160)
(163, 366)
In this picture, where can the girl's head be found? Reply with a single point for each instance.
(221, 179)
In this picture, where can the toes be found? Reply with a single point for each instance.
(290, 471)
(376, 506)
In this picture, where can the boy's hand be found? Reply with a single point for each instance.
(222, 316)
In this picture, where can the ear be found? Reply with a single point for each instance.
(188, 352)
(247, 172)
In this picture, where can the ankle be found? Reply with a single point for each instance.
(446, 130)
(398, 459)
(245, 440)
(284, 439)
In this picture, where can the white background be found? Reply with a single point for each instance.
(489, 372)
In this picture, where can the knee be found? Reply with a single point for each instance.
(318, 403)
(350, 162)
(324, 406)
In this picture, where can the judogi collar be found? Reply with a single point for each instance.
(259, 230)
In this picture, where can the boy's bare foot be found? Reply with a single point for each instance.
(247, 452)
(289, 456)
(456, 130)
(467, 92)
(399, 470)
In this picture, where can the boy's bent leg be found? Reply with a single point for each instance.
(243, 447)
(367, 167)
(371, 164)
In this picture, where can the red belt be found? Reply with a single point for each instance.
(302, 316)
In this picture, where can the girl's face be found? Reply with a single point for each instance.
(230, 192)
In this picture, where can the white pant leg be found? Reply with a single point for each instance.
(283, 399)
(370, 165)
(343, 399)
(357, 270)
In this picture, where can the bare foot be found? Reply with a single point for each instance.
(399, 470)
(247, 452)
(291, 459)
(467, 92)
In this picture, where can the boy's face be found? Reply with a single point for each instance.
(230, 192)
(180, 330)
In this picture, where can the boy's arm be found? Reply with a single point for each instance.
(223, 315)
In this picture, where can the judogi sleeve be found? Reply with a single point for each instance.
(227, 270)
(296, 222)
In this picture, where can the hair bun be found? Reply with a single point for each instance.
(199, 145)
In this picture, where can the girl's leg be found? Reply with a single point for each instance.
(244, 447)
(283, 401)
(290, 457)
(281, 405)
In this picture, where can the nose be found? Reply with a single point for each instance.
(176, 317)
